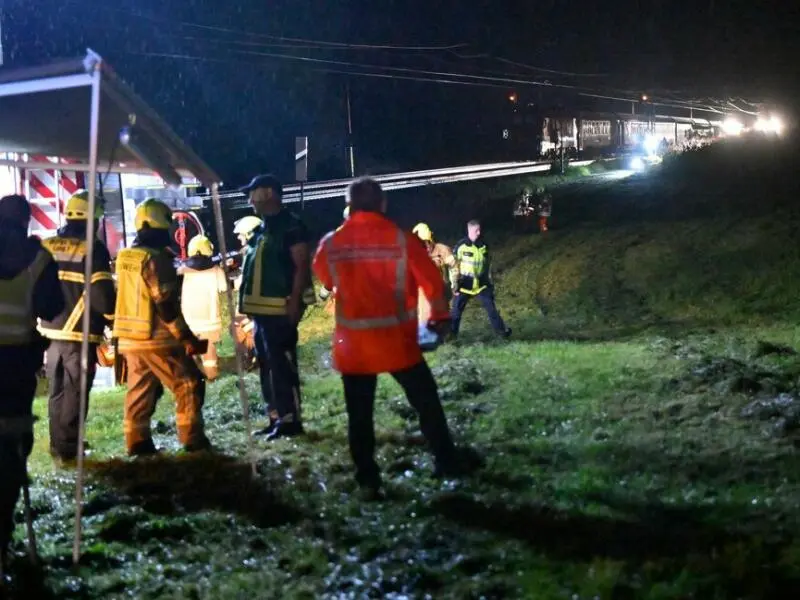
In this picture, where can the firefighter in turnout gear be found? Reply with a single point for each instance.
(203, 282)
(154, 337)
(276, 287)
(474, 280)
(63, 366)
(377, 270)
(29, 289)
(244, 328)
(445, 261)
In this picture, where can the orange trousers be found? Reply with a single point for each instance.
(147, 372)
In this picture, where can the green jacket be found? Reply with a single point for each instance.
(268, 269)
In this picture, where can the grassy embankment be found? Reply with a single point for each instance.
(620, 461)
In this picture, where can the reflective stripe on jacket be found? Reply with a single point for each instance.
(473, 266)
(70, 254)
(17, 323)
(142, 283)
(376, 269)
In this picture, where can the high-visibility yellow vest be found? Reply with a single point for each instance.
(70, 254)
(472, 267)
(137, 326)
(17, 321)
(133, 315)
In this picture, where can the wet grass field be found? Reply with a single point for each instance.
(640, 432)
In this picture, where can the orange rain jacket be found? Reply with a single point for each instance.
(377, 270)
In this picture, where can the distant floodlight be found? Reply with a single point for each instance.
(637, 164)
(650, 143)
(732, 126)
(772, 124)
(153, 160)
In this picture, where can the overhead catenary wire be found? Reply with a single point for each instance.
(432, 76)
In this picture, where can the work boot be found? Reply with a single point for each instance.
(285, 430)
(507, 333)
(142, 449)
(268, 429)
(201, 444)
(461, 463)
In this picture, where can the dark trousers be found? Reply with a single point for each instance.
(421, 392)
(276, 350)
(486, 298)
(16, 400)
(64, 376)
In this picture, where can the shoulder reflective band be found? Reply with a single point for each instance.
(71, 277)
(400, 256)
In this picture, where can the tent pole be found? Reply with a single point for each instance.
(232, 314)
(94, 116)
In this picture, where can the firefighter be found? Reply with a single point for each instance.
(544, 208)
(325, 293)
(377, 269)
(203, 282)
(154, 337)
(276, 285)
(444, 259)
(29, 289)
(65, 332)
(474, 280)
(244, 328)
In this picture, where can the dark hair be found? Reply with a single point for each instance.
(474, 223)
(365, 194)
(15, 208)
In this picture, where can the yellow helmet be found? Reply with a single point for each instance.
(200, 245)
(246, 226)
(154, 214)
(423, 232)
(346, 212)
(77, 208)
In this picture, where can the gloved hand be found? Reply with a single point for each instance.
(324, 293)
(442, 327)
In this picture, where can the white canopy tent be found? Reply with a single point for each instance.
(81, 110)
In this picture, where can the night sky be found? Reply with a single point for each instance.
(223, 75)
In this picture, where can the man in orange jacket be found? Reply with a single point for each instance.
(377, 269)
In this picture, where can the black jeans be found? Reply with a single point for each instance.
(421, 391)
(18, 376)
(276, 350)
(64, 376)
(486, 298)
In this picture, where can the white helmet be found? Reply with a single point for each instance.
(245, 227)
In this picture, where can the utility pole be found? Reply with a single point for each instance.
(350, 134)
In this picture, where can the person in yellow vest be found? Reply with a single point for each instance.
(276, 288)
(65, 332)
(203, 282)
(154, 337)
(29, 289)
(244, 328)
(475, 280)
(444, 259)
